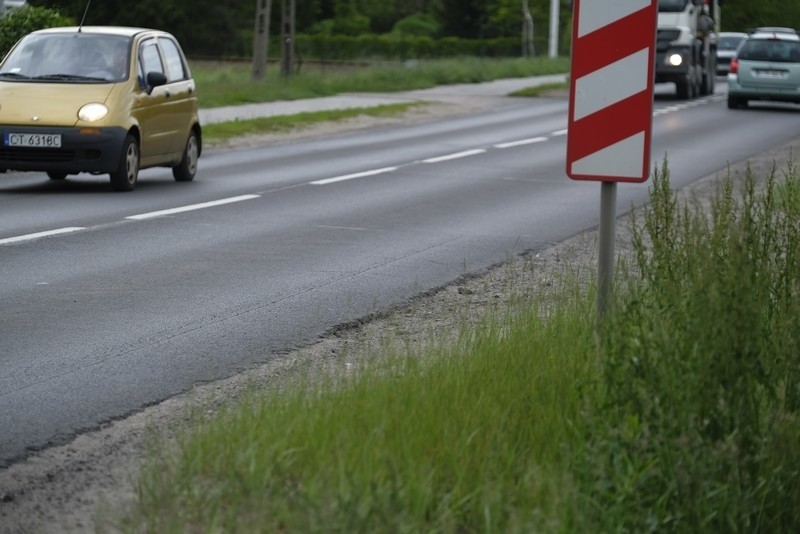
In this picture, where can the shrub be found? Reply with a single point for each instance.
(420, 25)
(401, 47)
(21, 22)
(702, 415)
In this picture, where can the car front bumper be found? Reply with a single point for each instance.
(96, 150)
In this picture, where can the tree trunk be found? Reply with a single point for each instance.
(287, 37)
(261, 38)
(527, 31)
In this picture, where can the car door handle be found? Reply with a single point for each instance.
(167, 94)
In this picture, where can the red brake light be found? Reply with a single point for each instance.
(734, 68)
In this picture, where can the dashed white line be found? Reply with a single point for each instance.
(38, 235)
(457, 155)
(192, 207)
(521, 142)
(448, 157)
(353, 176)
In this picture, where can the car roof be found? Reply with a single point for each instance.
(733, 34)
(773, 36)
(107, 30)
(772, 29)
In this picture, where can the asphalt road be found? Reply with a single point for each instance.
(128, 299)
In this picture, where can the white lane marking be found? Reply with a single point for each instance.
(38, 235)
(559, 133)
(457, 155)
(353, 176)
(521, 142)
(192, 207)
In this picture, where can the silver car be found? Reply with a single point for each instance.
(766, 67)
(726, 49)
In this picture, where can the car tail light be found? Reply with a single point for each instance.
(734, 68)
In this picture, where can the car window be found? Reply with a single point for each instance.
(68, 57)
(772, 50)
(729, 43)
(150, 60)
(176, 69)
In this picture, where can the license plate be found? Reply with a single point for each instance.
(771, 74)
(32, 140)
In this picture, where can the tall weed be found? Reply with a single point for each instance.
(702, 360)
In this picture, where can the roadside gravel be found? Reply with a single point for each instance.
(77, 487)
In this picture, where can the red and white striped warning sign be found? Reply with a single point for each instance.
(611, 90)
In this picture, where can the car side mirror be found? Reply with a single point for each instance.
(155, 79)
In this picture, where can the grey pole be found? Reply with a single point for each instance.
(553, 48)
(605, 263)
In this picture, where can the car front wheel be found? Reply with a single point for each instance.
(53, 175)
(185, 170)
(127, 173)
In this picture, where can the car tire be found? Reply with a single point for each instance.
(735, 102)
(709, 78)
(127, 173)
(185, 170)
(686, 88)
(57, 176)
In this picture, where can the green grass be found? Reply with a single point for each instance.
(284, 123)
(221, 84)
(541, 90)
(682, 414)
(702, 370)
(231, 84)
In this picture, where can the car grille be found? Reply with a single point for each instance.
(39, 155)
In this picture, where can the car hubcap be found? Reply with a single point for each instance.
(191, 155)
(132, 163)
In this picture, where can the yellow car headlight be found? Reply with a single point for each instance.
(92, 112)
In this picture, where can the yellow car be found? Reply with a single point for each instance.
(100, 100)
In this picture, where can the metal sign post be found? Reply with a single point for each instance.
(611, 108)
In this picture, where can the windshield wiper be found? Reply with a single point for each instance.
(14, 75)
(68, 77)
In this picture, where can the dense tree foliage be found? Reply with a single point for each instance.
(214, 28)
(738, 15)
(18, 23)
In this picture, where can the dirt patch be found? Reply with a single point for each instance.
(76, 487)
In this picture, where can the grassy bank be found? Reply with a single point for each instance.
(223, 131)
(231, 84)
(681, 414)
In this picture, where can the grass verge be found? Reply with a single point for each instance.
(681, 413)
(541, 90)
(220, 132)
(231, 84)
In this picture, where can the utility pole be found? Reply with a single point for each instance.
(527, 31)
(261, 38)
(553, 50)
(287, 37)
